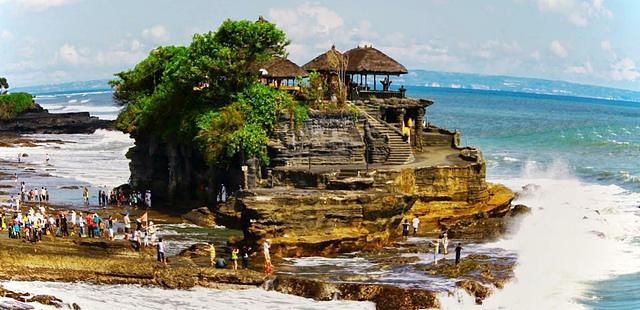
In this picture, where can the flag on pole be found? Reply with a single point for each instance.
(144, 218)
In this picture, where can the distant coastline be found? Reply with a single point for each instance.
(432, 80)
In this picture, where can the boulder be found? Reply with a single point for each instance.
(201, 217)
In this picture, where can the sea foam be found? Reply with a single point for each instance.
(577, 233)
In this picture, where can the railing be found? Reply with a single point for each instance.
(381, 94)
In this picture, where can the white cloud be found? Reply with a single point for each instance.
(493, 48)
(38, 5)
(68, 53)
(624, 70)
(157, 34)
(308, 20)
(586, 68)
(535, 55)
(557, 49)
(578, 12)
(5, 35)
(606, 46)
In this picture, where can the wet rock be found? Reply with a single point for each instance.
(475, 289)
(201, 217)
(384, 296)
(39, 120)
(519, 209)
(14, 305)
(196, 250)
(47, 300)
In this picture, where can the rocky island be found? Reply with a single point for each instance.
(325, 167)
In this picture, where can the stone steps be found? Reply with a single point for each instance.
(401, 152)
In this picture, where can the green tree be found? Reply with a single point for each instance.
(207, 94)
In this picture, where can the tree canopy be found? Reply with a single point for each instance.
(208, 93)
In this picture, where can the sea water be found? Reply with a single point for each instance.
(579, 249)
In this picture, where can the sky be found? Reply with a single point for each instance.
(585, 41)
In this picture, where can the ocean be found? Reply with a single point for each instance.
(579, 249)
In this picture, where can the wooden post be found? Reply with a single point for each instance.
(374, 81)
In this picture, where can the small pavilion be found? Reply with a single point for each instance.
(365, 61)
(282, 73)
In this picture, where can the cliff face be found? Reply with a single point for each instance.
(173, 172)
(319, 222)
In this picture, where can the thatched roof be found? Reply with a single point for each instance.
(282, 68)
(326, 62)
(370, 60)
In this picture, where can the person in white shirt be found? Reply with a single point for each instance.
(416, 223)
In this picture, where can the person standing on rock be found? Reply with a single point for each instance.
(234, 257)
(161, 249)
(405, 229)
(436, 250)
(46, 160)
(245, 256)
(212, 254)
(267, 257)
(445, 244)
(458, 250)
(127, 226)
(416, 223)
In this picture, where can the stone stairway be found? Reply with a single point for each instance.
(400, 151)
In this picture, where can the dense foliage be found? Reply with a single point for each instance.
(13, 104)
(208, 93)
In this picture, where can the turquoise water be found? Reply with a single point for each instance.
(597, 141)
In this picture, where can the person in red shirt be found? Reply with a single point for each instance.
(89, 220)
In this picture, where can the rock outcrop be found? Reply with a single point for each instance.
(384, 296)
(39, 120)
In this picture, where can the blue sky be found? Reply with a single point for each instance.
(586, 41)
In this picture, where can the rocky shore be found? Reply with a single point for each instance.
(39, 120)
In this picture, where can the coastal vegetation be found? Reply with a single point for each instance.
(208, 94)
(14, 104)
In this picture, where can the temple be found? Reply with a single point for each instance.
(344, 178)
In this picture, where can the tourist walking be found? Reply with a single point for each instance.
(266, 246)
(245, 256)
(147, 198)
(436, 250)
(127, 226)
(416, 223)
(212, 254)
(458, 250)
(405, 229)
(161, 248)
(234, 257)
(445, 244)
(85, 196)
(80, 224)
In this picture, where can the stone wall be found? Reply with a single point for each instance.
(325, 138)
(434, 136)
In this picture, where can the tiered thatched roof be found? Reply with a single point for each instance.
(326, 62)
(370, 60)
(282, 68)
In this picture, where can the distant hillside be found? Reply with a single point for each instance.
(512, 84)
(71, 87)
(421, 78)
